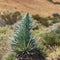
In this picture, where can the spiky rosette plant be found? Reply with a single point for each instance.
(23, 43)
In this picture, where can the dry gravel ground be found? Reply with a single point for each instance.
(41, 7)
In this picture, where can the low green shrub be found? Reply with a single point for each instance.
(10, 17)
(3, 30)
(51, 38)
(58, 36)
(43, 21)
(4, 37)
(47, 21)
(10, 57)
(58, 31)
(50, 0)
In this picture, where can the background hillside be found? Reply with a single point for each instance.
(41, 7)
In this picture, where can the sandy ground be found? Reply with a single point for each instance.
(41, 7)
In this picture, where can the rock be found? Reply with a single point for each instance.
(54, 27)
(15, 26)
(58, 58)
(48, 58)
(2, 22)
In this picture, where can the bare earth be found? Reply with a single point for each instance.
(41, 7)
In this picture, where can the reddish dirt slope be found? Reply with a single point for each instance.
(41, 7)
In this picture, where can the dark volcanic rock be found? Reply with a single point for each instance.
(2, 22)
